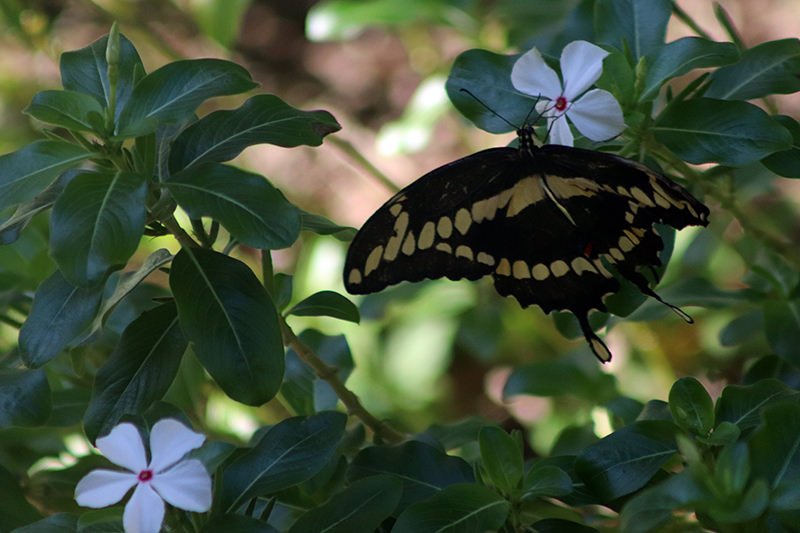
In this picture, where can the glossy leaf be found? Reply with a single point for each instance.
(249, 207)
(782, 327)
(28, 171)
(15, 510)
(222, 135)
(501, 456)
(96, 225)
(171, 94)
(423, 469)
(327, 303)
(743, 404)
(678, 57)
(11, 228)
(705, 130)
(287, 454)
(57, 523)
(60, 313)
(766, 69)
(322, 226)
(559, 525)
(627, 459)
(775, 446)
(555, 377)
(638, 25)
(787, 162)
(225, 523)
(24, 397)
(359, 508)
(654, 506)
(231, 321)
(139, 371)
(462, 507)
(86, 71)
(68, 109)
(546, 481)
(691, 406)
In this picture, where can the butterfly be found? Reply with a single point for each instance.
(550, 224)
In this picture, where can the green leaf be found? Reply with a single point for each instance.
(108, 520)
(638, 25)
(775, 446)
(724, 433)
(11, 228)
(545, 481)
(139, 371)
(24, 397)
(691, 406)
(60, 313)
(742, 404)
(559, 525)
(787, 162)
(766, 69)
(782, 327)
(742, 509)
(57, 523)
(15, 510)
(231, 321)
(68, 109)
(301, 388)
(627, 459)
(681, 56)
(654, 506)
(423, 469)
(555, 377)
(96, 225)
(327, 303)
(86, 71)
(249, 207)
(225, 523)
(28, 171)
(172, 93)
(455, 509)
(501, 455)
(287, 454)
(222, 135)
(487, 76)
(322, 226)
(705, 130)
(360, 508)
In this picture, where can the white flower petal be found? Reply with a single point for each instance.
(169, 441)
(101, 488)
(560, 132)
(124, 447)
(581, 66)
(597, 115)
(531, 75)
(144, 512)
(187, 486)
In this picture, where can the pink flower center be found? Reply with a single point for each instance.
(561, 104)
(145, 475)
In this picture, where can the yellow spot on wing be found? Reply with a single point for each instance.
(640, 195)
(355, 277)
(504, 268)
(409, 245)
(444, 247)
(559, 268)
(426, 236)
(485, 258)
(395, 209)
(373, 260)
(625, 244)
(581, 265)
(465, 252)
(521, 270)
(444, 228)
(527, 191)
(463, 221)
(540, 272)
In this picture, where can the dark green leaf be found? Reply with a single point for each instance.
(705, 130)
(627, 459)
(724, 433)
(60, 313)
(546, 481)
(287, 454)
(654, 507)
(559, 525)
(96, 225)
(787, 162)
(322, 226)
(57, 523)
(775, 446)
(139, 372)
(28, 171)
(231, 321)
(742, 329)
(742, 405)
(12, 227)
(249, 207)
(681, 56)
(457, 434)
(15, 510)
(327, 303)
(638, 25)
(423, 469)
(691, 406)
(742, 509)
(782, 326)
(555, 377)
(488, 77)
(226, 523)
(766, 69)
(457, 508)
(171, 94)
(24, 397)
(360, 508)
(68, 109)
(501, 456)
(86, 71)
(68, 406)
(772, 366)
(108, 520)
(222, 135)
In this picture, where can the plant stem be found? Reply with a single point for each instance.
(362, 162)
(180, 234)
(328, 373)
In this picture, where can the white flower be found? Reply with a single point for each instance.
(181, 483)
(596, 114)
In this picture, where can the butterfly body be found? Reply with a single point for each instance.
(548, 224)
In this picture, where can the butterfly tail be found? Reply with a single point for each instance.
(598, 347)
(641, 282)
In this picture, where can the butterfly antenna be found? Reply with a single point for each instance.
(492, 111)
